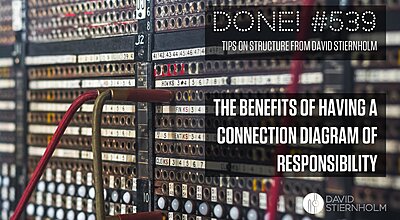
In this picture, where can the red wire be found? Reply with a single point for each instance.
(76, 104)
(296, 68)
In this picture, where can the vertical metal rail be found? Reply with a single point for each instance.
(19, 52)
(144, 111)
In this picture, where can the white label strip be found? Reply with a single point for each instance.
(377, 75)
(110, 157)
(299, 205)
(50, 129)
(281, 204)
(49, 174)
(123, 209)
(48, 107)
(199, 192)
(278, 79)
(49, 199)
(17, 15)
(112, 209)
(79, 204)
(173, 54)
(392, 146)
(68, 204)
(196, 82)
(172, 83)
(141, 9)
(68, 176)
(309, 178)
(39, 198)
(59, 152)
(69, 153)
(262, 200)
(62, 107)
(214, 81)
(380, 182)
(4, 169)
(7, 83)
(7, 148)
(171, 189)
(6, 62)
(392, 111)
(107, 57)
(58, 200)
(7, 105)
(173, 162)
(54, 59)
(108, 83)
(89, 178)
(5, 126)
(392, 38)
(123, 181)
(55, 84)
(13, 170)
(229, 196)
(183, 136)
(112, 181)
(184, 109)
(246, 199)
(396, 183)
(89, 207)
(184, 191)
(111, 132)
(74, 84)
(214, 194)
(4, 192)
(78, 177)
(58, 175)
(134, 184)
(111, 108)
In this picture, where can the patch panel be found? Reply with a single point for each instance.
(182, 189)
(179, 15)
(7, 35)
(109, 120)
(83, 71)
(70, 189)
(380, 76)
(8, 126)
(80, 20)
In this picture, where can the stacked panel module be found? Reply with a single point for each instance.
(7, 36)
(76, 46)
(7, 112)
(7, 137)
(72, 20)
(383, 76)
(182, 189)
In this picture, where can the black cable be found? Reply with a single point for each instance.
(96, 148)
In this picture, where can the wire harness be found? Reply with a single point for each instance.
(133, 95)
